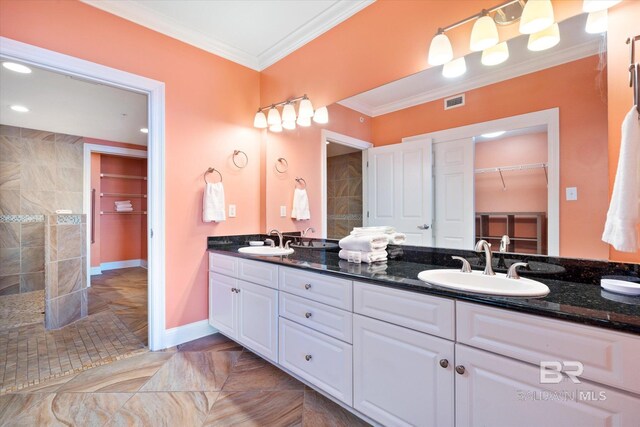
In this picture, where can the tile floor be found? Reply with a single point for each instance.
(208, 382)
(21, 309)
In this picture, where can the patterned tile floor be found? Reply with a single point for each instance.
(208, 382)
(21, 309)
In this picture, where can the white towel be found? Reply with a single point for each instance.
(300, 210)
(366, 231)
(368, 257)
(397, 238)
(213, 203)
(620, 229)
(120, 209)
(374, 242)
(378, 268)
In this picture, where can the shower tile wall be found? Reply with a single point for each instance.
(40, 172)
(344, 194)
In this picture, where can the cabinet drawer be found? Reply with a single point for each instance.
(318, 287)
(424, 313)
(323, 318)
(323, 361)
(258, 272)
(223, 264)
(608, 357)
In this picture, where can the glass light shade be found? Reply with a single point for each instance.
(484, 34)
(454, 68)
(536, 16)
(289, 113)
(597, 22)
(273, 118)
(597, 5)
(440, 50)
(260, 120)
(306, 109)
(276, 128)
(290, 125)
(18, 68)
(496, 54)
(303, 121)
(545, 39)
(321, 115)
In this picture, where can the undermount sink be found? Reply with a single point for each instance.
(265, 251)
(479, 283)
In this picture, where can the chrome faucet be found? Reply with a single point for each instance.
(306, 230)
(504, 242)
(485, 246)
(279, 237)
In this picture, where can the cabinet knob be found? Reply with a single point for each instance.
(307, 315)
(233, 289)
(444, 363)
(460, 369)
(237, 290)
(307, 357)
(307, 286)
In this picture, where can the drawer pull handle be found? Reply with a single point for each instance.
(307, 286)
(460, 369)
(307, 315)
(444, 363)
(308, 357)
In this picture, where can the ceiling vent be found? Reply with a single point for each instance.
(454, 102)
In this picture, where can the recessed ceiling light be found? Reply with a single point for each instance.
(18, 68)
(20, 108)
(144, 130)
(493, 134)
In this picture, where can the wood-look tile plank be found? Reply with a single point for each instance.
(252, 373)
(257, 408)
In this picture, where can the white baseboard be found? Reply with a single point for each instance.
(96, 270)
(186, 333)
(144, 263)
(122, 264)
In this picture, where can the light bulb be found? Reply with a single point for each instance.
(290, 125)
(260, 120)
(597, 22)
(19, 108)
(321, 115)
(288, 113)
(454, 68)
(303, 121)
(274, 116)
(598, 5)
(306, 109)
(276, 128)
(440, 50)
(484, 34)
(18, 68)
(496, 54)
(536, 16)
(545, 39)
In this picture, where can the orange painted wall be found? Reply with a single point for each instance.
(210, 103)
(623, 23)
(526, 190)
(572, 88)
(301, 148)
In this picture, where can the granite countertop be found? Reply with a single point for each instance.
(573, 300)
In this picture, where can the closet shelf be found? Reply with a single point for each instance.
(114, 175)
(122, 213)
(122, 195)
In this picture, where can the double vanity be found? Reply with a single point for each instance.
(399, 351)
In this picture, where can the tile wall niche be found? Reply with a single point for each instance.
(344, 194)
(40, 172)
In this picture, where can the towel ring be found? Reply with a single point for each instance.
(301, 181)
(282, 161)
(246, 158)
(210, 170)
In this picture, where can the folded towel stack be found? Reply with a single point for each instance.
(364, 248)
(394, 237)
(124, 206)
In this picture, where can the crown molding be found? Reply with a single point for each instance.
(359, 106)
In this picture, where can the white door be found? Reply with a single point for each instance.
(399, 189)
(454, 216)
(222, 304)
(498, 391)
(398, 376)
(258, 319)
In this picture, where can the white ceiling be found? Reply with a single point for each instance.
(430, 85)
(62, 104)
(254, 33)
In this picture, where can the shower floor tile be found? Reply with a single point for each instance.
(21, 309)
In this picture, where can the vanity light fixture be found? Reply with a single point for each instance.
(455, 68)
(321, 115)
(545, 39)
(440, 50)
(19, 108)
(276, 128)
(597, 22)
(273, 118)
(289, 114)
(484, 33)
(289, 125)
(493, 134)
(18, 68)
(495, 54)
(306, 108)
(598, 5)
(260, 120)
(304, 121)
(536, 16)
(288, 120)
(144, 130)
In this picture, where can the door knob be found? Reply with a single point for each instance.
(460, 369)
(307, 286)
(444, 363)
(424, 227)
(308, 357)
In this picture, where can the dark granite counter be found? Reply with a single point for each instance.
(575, 292)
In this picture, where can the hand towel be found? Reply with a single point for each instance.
(374, 242)
(620, 229)
(368, 257)
(213, 203)
(397, 238)
(119, 209)
(300, 209)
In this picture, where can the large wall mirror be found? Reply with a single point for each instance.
(514, 153)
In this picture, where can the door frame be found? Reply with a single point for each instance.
(550, 118)
(327, 136)
(155, 91)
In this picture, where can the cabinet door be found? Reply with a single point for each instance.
(258, 319)
(398, 379)
(498, 391)
(222, 304)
